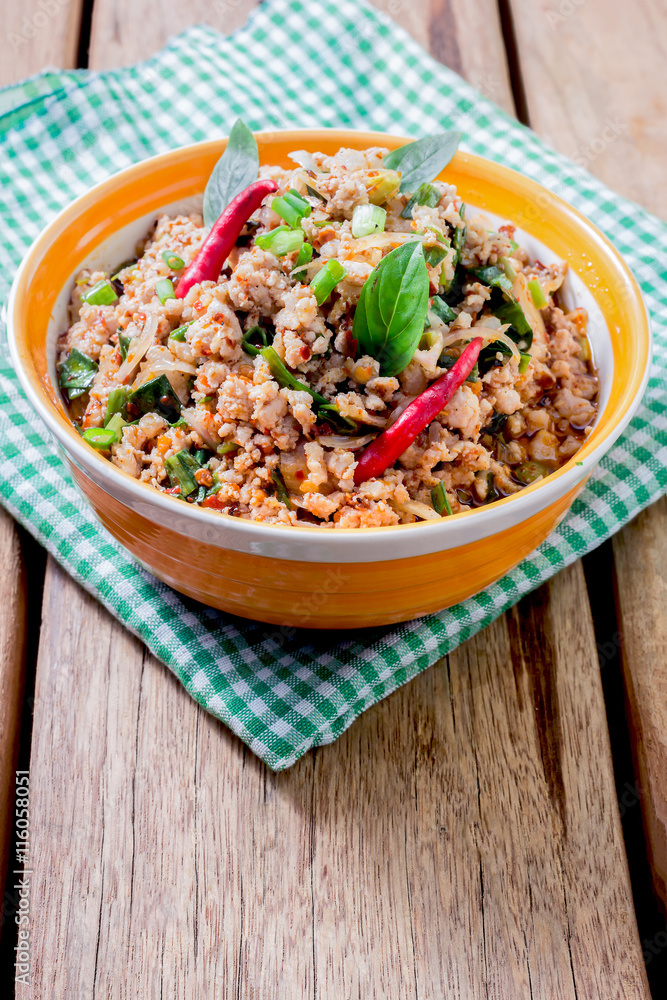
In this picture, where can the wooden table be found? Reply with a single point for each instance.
(463, 838)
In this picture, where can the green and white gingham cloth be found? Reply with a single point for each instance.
(283, 692)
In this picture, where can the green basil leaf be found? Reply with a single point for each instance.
(76, 374)
(520, 329)
(235, 170)
(156, 395)
(423, 160)
(389, 318)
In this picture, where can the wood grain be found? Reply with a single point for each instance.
(37, 34)
(13, 616)
(461, 839)
(615, 122)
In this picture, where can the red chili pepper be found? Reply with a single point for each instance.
(217, 246)
(383, 452)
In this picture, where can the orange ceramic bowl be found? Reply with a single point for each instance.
(305, 576)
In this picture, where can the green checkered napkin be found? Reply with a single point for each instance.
(281, 692)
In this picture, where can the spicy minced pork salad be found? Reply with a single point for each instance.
(337, 344)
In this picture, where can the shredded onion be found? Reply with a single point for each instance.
(198, 426)
(304, 159)
(381, 240)
(488, 335)
(291, 464)
(138, 347)
(340, 441)
(418, 509)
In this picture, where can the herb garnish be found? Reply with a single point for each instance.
(389, 318)
(235, 170)
(76, 374)
(421, 161)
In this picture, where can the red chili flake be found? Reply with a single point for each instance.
(305, 352)
(173, 490)
(351, 344)
(165, 400)
(300, 474)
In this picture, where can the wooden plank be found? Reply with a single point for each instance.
(37, 34)
(460, 839)
(615, 123)
(13, 616)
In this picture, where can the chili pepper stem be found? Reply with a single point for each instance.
(386, 449)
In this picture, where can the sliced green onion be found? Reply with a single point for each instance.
(179, 335)
(292, 207)
(101, 294)
(514, 246)
(523, 363)
(123, 345)
(285, 379)
(507, 268)
(181, 469)
(280, 241)
(281, 489)
(440, 500)
(326, 280)
(116, 425)
(537, 293)
(247, 342)
(304, 257)
(368, 219)
(426, 194)
(164, 290)
(100, 437)
(115, 402)
(226, 447)
(343, 424)
(172, 260)
(200, 456)
(322, 222)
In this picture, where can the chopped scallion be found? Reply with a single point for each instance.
(281, 489)
(292, 207)
(326, 280)
(164, 290)
(115, 402)
(179, 335)
(172, 260)
(537, 293)
(254, 340)
(523, 363)
(76, 374)
(116, 425)
(440, 500)
(101, 294)
(226, 447)
(280, 241)
(368, 219)
(100, 437)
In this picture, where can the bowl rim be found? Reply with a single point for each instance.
(574, 471)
